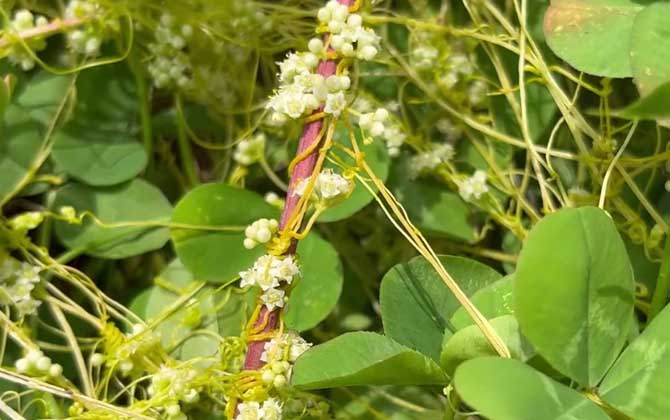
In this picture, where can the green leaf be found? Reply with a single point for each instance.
(431, 206)
(506, 389)
(24, 127)
(317, 292)
(20, 144)
(43, 95)
(656, 105)
(135, 201)
(363, 358)
(176, 327)
(5, 94)
(639, 381)
(376, 156)
(119, 110)
(98, 157)
(593, 36)
(470, 343)
(218, 256)
(650, 48)
(391, 402)
(574, 292)
(493, 300)
(99, 144)
(416, 304)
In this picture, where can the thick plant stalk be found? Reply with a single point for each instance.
(302, 170)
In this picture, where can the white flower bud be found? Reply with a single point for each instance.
(315, 45)
(377, 129)
(43, 364)
(347, 49)
(22, 365)
(279, 381)
(126, 366)
(267, 376)
(355, 20)
(173, 410)
(324, 15)
(97, 359)
(55, 370)
(368, 52)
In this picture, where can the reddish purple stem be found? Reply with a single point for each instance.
(302, 170)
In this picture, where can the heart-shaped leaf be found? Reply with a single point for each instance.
(639, 380)
(136, 201)
(574, 292)
(364, 358)
(416, 304)
(593, 35)
(506, 389)
(469, 343)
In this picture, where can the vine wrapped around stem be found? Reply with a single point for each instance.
(303, 169)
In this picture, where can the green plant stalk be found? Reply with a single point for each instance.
(662, 289)
(186, 153)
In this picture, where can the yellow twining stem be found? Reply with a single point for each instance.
(414, 236)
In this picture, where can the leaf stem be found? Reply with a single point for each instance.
(662, 288)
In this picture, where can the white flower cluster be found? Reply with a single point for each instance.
(268, 273)
(173, 385)
(451, 131)
(35, 363)
(477, 92)
(279, 354)
(327, 187)
(423, 57)
(349, 37)
(24, 20)
(171, 66)
(260, 232)
(302, 90)
(474, 186)
(84, 41)
(17, 281)
(271, 409)
(374, 124)
(250, 151)
(431, 159)
(459, 65)
(667, 185)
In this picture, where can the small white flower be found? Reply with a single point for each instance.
(477, 92)
(335, 103)
(272, 409)
(449, 129)
(330, 185)
(428, 161)
(268, 271)
(298, 347)
(667, 185)
(250, 151)
(273, 298)
(285, 269)
(250, 410)
(424, 56)
(473, 187)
